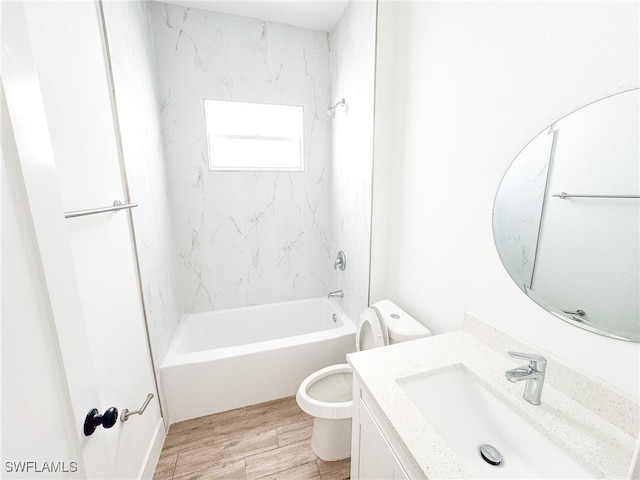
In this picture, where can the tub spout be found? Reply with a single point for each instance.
(337, 293)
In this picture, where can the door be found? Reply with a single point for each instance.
(58, 97)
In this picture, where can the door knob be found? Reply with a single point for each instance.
(93, 419)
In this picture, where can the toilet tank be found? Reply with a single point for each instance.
(401, 326)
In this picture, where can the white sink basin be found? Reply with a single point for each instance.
(466, 414)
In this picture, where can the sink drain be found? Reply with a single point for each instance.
(490, 454)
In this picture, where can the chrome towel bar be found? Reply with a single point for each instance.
(117, 205)
(564, 195)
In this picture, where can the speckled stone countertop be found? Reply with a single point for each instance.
(597, 429)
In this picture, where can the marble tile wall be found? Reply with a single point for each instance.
(243, 238)
(518, 206)
(352, 77)
(255, 238)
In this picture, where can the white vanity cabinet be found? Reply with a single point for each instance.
(372, 456)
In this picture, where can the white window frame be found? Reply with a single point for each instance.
(241, 136)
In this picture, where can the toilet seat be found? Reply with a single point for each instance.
(330, 384)
(371, 331)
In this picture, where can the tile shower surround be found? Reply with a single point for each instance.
(243, 238)
(265, 237)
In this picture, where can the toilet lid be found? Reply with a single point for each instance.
(371, 332)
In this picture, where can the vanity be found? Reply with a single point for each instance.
(458, 405)
(422, 409)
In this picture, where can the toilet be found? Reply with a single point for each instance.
(327, 394)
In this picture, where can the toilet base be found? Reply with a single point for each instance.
(331, 439)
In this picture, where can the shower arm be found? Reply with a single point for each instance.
(331, 111)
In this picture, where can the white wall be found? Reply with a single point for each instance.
(243, 238)
(467, 86)
(128, 27)
(352, 77)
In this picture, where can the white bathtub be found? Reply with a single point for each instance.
(228, 359)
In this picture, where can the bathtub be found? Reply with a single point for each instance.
(228, 359)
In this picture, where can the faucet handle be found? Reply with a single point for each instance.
(536, 362)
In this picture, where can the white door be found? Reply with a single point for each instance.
(58, 97)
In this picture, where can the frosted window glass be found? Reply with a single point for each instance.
(254, 136)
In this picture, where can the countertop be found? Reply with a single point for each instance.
(602, 442)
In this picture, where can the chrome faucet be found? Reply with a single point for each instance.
(337, 293)
(532, 373)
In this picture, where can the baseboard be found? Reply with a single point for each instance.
(153, 453)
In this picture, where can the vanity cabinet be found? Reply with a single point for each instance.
(372, 456)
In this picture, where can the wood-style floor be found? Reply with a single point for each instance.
(267, 441)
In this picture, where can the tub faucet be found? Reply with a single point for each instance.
(337, 293)
(532, 373)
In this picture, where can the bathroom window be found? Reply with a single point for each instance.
(254, 136)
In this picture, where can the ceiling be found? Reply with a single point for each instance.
(311, 14)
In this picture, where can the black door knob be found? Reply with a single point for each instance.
(93, 419)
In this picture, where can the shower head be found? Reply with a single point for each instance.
(331, 111)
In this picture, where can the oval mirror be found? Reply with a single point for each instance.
(566, 218)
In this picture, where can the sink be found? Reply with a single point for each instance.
(467, 415)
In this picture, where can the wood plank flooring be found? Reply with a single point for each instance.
(266, 441)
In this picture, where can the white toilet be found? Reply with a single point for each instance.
(327, 393)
